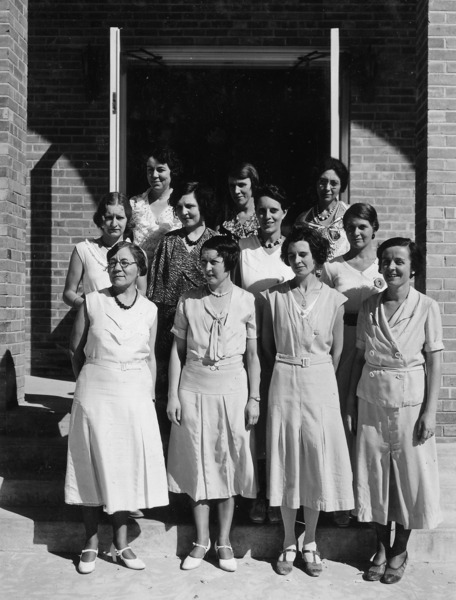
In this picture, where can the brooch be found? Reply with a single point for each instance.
(378, 283)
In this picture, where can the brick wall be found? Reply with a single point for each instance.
(68, 132)
(13, 136)
(440, 214)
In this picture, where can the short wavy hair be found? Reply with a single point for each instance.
(417, 258)
(329, 163)
(137, 253)
(361, 210)
(270, 190)
(113, 199)
(166, 156)
(245, 170)
(319, 246)
(226, 247)
(203, 193)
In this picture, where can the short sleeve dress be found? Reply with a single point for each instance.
(396, 478)
(357, 286)
(115, 457)
(307, 453)
(211, 453)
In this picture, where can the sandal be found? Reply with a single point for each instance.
(312, 568)
(284, 566)
(375, 572)
(393, 575)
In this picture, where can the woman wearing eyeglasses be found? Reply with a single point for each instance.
(327, 214)
(115, 458)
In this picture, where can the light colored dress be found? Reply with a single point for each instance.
(115, 457)
(334, 232)
(260, 270)
(308, 460)
(396, 478)
(150, 229)
(211, 453)
(357, 286)
(95, 274)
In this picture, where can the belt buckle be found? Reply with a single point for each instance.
(305, 362)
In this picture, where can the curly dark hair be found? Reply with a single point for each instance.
(137, 253)
(361, 210)
(203, 193)
(113, 199)
(319, 246)
(226, 247)
(269, 190)
(165, 156)
(332, 164)
(417, 258)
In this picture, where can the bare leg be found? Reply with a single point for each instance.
(91, 517)
(399, 549)
(225, 509)
(119, 529)
(383, 543)
(201, 515)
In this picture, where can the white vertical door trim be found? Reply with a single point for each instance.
(335, 118)
(114, 108)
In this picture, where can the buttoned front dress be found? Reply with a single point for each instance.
(115, 456)
(211, 453)
(307, 453)
(396, 478)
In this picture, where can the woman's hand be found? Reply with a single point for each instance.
(173, 410)
(425, 427)
(252, 413)
(351, 417)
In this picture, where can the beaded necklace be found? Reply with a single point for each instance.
(121, 304)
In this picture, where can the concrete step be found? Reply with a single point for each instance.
(60, 531)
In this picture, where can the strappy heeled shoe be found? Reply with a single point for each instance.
(227, 564)
(192, 562)
(131, 563)
(313, 568)
(284, 566)
(87, 567)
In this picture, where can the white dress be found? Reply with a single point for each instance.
(115, 456)
(95, 274)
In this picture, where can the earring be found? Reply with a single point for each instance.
(373, 236)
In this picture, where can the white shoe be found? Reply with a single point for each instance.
(130, 563)
(87, 567)
(227, 564)
(191, 562)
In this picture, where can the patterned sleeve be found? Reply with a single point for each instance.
(179, 329)
(361, 327)
(433, 329)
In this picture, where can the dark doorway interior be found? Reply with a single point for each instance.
(276, 119)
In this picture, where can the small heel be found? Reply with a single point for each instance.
(131, 563)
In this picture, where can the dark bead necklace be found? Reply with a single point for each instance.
(269, 244)
(190, 242)
(121, 304)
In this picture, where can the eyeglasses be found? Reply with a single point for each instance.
(332, 183)
(123, 262)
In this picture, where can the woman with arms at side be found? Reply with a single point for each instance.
(392, 407)
(326, 214)
(213, 400)
(308, 459)
(88, 264)
(355, 274)
(115, 459)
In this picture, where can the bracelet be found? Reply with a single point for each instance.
(256, 398)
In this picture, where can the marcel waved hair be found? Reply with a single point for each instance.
(225, 247)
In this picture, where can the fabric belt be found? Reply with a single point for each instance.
(219, 364)
(377, 368)
(136, 365)
(303, 361)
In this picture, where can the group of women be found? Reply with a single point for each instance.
(283, 363)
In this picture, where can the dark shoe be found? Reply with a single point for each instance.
(274, 515)
(394, 575)
(375, 572)
(284, 566)
(257, 513)
(342, 518)
(313, 568)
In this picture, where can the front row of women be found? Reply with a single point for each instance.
(115, 459)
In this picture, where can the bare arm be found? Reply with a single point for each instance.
(426, 422)
(73, 279)
(338, 337)
(78, 339)
(252, 408)
(176, 361)
(151, 362)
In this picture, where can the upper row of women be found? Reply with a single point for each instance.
(213, 402)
